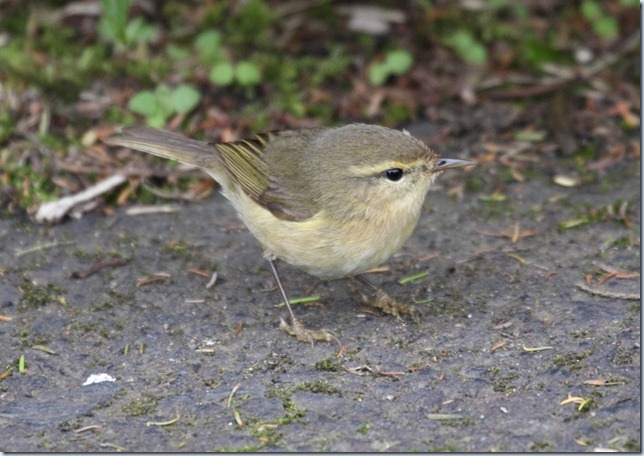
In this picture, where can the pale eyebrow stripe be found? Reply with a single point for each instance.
(372, 170)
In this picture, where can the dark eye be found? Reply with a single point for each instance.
(394, 174)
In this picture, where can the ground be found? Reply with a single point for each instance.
(510, 354)
(525, 267)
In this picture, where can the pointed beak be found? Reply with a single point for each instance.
(447, 163)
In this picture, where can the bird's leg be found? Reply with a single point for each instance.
(385, 303)
(296, 327)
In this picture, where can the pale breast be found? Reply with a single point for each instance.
(324, 248)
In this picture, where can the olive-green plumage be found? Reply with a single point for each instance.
(319, 198)
(331, 201)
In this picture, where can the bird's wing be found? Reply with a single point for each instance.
(245, 162)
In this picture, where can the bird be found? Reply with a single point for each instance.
(331, 201)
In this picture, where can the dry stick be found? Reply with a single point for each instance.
(55, 210)
(97, 266)
(608, 294)
(611, 270)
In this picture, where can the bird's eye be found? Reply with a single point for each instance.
(394, 174)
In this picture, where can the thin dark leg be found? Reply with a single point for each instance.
(281, 288)
(296, 328)
(364, 281)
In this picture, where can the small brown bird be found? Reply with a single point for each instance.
(334, 202)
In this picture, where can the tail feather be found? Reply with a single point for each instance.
(170, 145)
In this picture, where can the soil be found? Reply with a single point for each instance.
(510, 354)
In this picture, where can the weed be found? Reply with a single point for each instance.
(40, 295)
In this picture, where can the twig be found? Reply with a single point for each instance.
(615, 272)
(155, 209)
(97, 266)
(38, 247)
(212, 281)
(55, 210)
(608, 294)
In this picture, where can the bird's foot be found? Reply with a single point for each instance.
(296, 328)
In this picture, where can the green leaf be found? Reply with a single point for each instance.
(530, 135)
(157, 121)
(137, 31)
(536, 52)
(253, 18)
(144, 103)
(466, 46)
(185, 98)
(114, 20)
(248, 74)
(378, 73)
(591, 10)
(208, 45)
(222, 74)
(606, 27)
(177, 53)
(399, 62)
(163, 95)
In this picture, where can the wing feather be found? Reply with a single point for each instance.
(245, 162)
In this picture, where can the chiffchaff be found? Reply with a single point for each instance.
(331, 201)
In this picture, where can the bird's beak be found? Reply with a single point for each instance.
(446, 163)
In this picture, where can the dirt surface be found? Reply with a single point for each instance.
(506, 336)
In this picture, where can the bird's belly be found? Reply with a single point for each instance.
(324, 249)
(332, 255)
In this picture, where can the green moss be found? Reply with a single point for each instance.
(624, 356)
(588, 152)
(37, 296)
(582, 334)
(474, 184)
(328, 365)
(363, 429)
(400, 343)
(542, 446)
(504, 383)
(144, 406)
(632, 445)
(87, 256)
(317, 387)
(119, 298)
(70, 425)
(600, 424)
(624, 241)
(85, 327)
(268, 432)
(458, 423)
(103, 306)
(31, 181)
(571, 361)
(29, 339)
